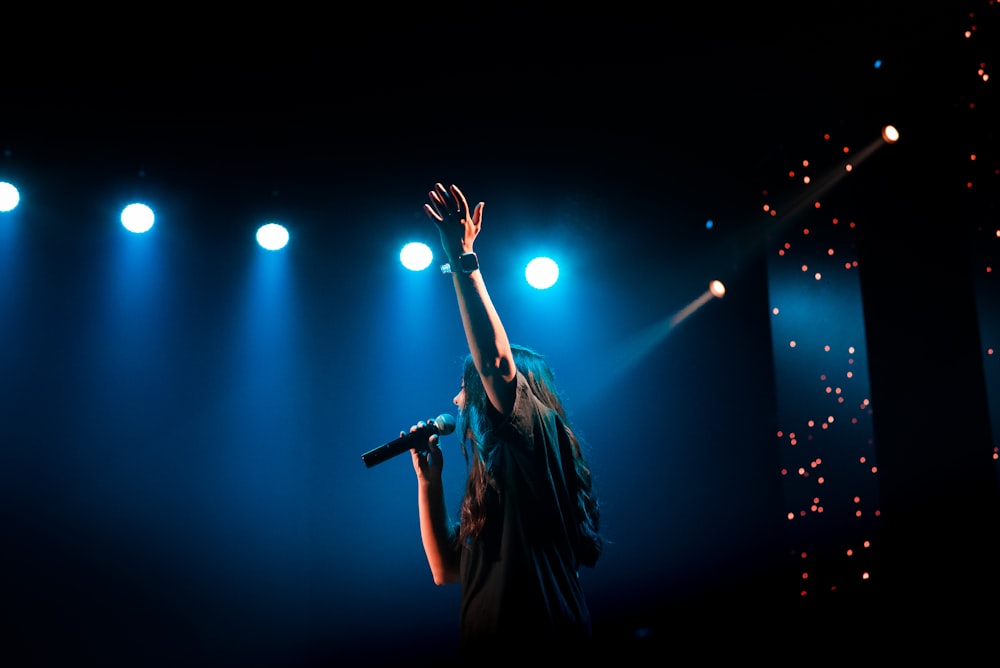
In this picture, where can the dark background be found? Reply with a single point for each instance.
(183, 415)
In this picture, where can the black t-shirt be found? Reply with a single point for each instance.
(520, 585)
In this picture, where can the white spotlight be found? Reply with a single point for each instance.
(890, 134)
(416, 256)
(9, 197)
(137, 218)
(272, 236)
(542, 273)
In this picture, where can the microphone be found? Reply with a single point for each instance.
(443, 424)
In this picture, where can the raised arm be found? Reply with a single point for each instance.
(459, 226)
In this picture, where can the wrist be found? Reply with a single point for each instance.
(430, 485)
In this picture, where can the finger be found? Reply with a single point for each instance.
(433, 213)
(477, 214)
(459, 198)
(437, 202)
(441, 191)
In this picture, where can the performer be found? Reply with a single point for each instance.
(529, 518)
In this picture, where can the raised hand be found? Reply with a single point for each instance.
(458, 226)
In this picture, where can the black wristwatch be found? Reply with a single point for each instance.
(467, 263)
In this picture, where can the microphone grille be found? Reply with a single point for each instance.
(445, 423)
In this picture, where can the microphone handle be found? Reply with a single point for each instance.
(414, 439)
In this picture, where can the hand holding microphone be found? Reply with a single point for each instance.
(417, 439)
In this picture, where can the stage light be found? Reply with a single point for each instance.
(542, 273)
(272, 236)
(416, 256)
(717, 288)
(9, 197)
(137, 218)
(890, 134)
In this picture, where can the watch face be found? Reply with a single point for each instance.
(468, 262)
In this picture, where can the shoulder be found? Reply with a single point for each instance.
(529, 413)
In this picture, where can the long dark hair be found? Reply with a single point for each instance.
(478, 447)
